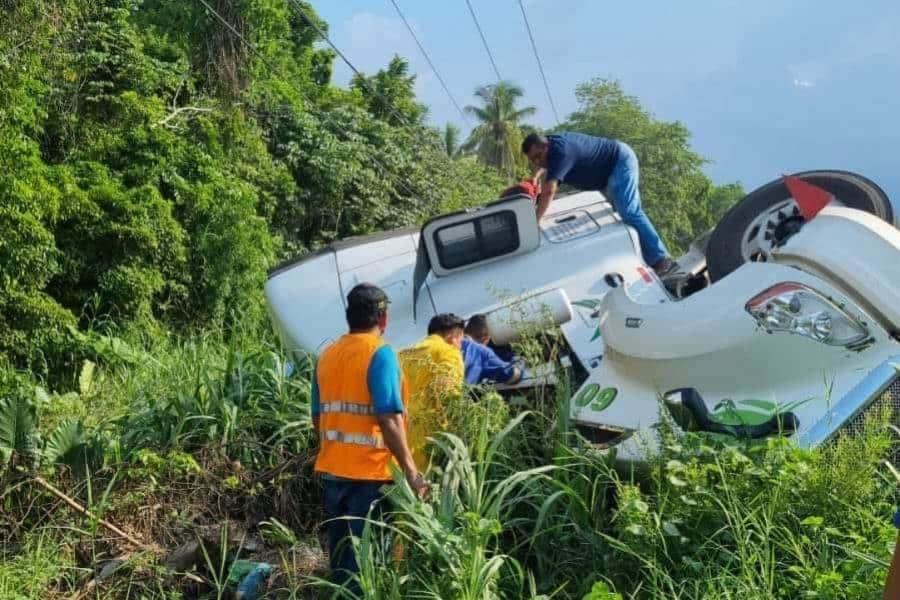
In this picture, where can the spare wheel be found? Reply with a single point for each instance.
(766, 217)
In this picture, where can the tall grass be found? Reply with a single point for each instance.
(27, 571)
(708, 520)
(453, 544)
(214, 427)
(239, 402)
(716, 520)
(181, 433)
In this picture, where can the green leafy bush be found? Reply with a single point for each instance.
(151, 170)
(452, 544)
(26, 445)
(767, 520)
(206, 394)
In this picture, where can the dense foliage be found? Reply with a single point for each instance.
(153, 164)
(709, 519)
(211, 430)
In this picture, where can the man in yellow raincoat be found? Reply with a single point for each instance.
(434, 372)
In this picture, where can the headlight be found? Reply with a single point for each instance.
(795, 308)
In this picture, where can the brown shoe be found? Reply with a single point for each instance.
(665, 267)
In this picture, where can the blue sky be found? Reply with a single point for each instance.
(765, 86)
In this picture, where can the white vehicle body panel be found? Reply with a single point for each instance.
(576, 263)
(714, 346)
(316, 294)
(632, 336)
(394, 275)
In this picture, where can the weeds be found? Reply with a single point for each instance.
(27, 571)
(452, 544)
(211, 431)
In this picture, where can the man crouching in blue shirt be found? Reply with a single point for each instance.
(481, 362)
(595, 163)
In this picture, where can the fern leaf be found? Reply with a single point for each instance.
(18, 416)
(64, 442)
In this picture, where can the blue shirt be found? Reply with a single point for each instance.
(583, 161)
(384, 380)
(483, 363)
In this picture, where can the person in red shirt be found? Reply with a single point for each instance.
(527, 188)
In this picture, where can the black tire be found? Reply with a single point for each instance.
(724, 254)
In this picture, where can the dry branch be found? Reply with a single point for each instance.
(184, 109)
(79, 508)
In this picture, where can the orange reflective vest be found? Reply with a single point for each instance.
(350, 441)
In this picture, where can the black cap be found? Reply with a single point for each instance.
(445, 323)
(367, 297)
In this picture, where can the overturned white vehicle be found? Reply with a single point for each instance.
(789, 322)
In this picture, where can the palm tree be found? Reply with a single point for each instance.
(451, 140)
(496, 139)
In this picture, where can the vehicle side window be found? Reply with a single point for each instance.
(478, 239)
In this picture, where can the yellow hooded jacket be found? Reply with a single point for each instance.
(434, 371)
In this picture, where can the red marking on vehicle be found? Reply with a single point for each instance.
(644, 274)
(810, 198)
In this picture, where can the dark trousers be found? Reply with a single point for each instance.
(353, 499)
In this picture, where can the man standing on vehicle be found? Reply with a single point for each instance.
(358, 405)
(595, 163)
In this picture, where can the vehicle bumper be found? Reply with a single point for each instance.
(884, 379)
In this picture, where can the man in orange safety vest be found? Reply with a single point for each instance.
(358, 405)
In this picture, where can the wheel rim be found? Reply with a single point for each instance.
(771, 229)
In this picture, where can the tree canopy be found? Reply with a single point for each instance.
(496, 137)
(450, 139)
(154, 164)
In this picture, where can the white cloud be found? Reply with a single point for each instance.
(808, 74)
(370, 33)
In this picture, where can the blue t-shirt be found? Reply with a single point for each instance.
(583, 161)
(384, 380)
(483, 363)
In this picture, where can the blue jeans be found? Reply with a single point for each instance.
(626, 198)
(354, 499)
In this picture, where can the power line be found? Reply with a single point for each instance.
(325, 118)
(509, 151)
(411, 126)
(484, 41)
(431, 64)
(362, 78)
(540, 64)
(239, 35)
